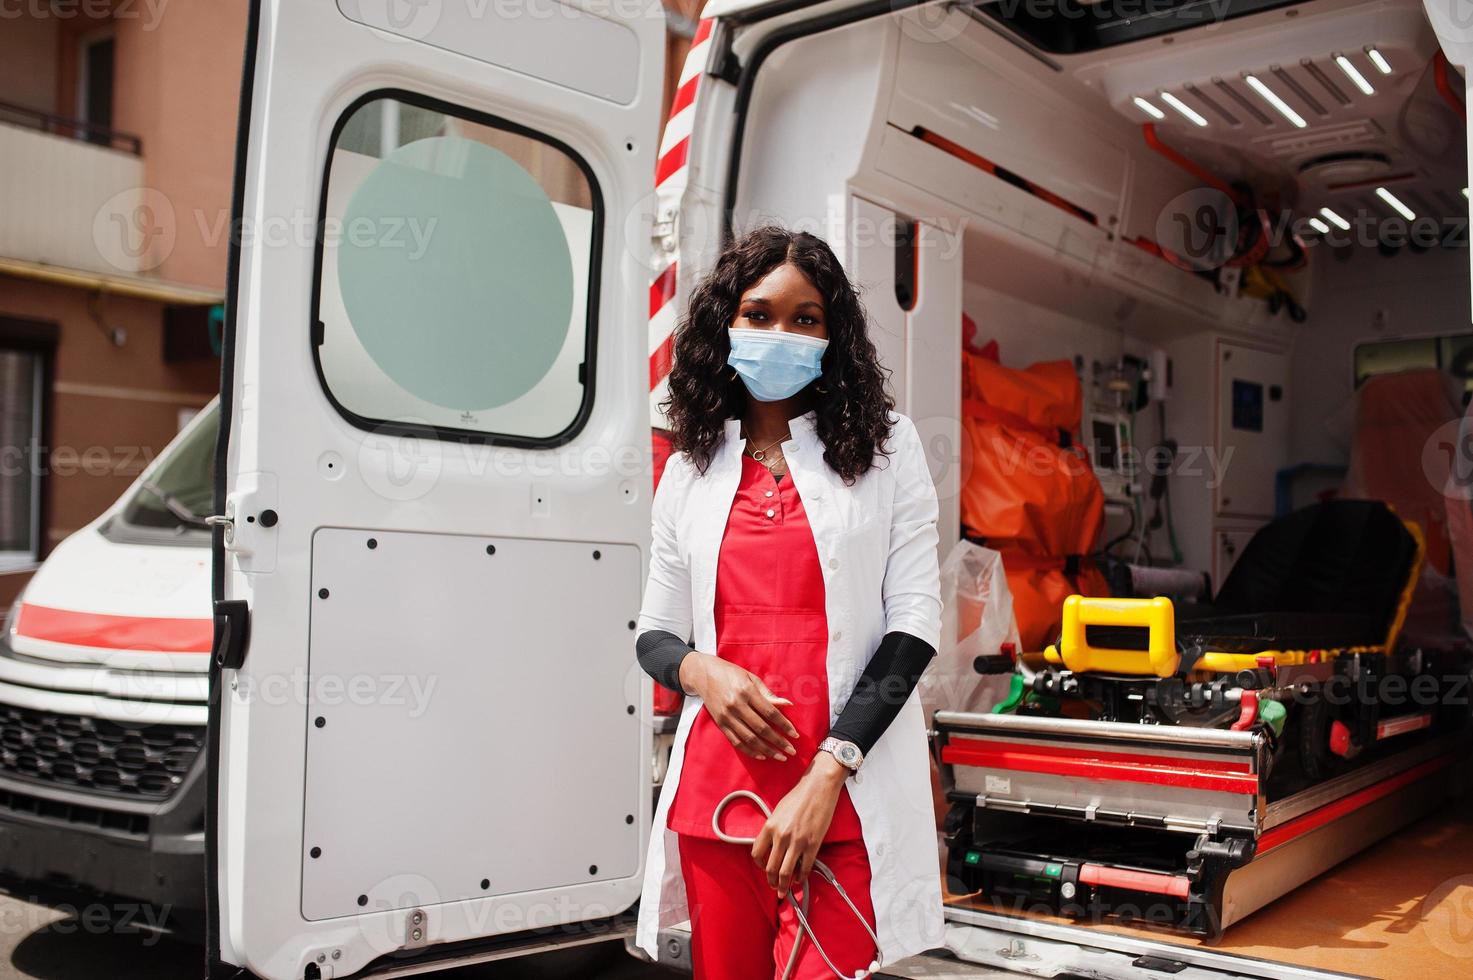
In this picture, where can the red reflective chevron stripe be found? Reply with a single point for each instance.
(672, 161)
(83, 629)
(661, 360)
(685, 95)
(662, 290)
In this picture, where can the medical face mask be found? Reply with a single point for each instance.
(775, 365)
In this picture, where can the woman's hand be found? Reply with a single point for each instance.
(788, 844)
(741, 705)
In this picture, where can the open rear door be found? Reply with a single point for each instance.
(433, 480)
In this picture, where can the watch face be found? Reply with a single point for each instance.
(849, 754)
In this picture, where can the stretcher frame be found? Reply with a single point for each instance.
(1203, 792)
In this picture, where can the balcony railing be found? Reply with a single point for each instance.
(45, 122)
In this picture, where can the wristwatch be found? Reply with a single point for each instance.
(847, 753)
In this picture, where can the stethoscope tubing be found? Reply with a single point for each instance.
(800, 908)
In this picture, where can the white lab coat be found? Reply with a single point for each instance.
(877, 543)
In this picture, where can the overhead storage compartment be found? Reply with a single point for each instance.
(1004, 149)
(973, 122)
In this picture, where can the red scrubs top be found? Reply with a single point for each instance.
(770, 619)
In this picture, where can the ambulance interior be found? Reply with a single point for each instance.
(1224, 263)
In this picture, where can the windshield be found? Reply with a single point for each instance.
(179, 493)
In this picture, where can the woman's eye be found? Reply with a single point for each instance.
(756, 315)
(808, 321)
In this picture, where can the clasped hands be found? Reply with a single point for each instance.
(750, 717)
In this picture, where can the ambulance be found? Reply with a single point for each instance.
(461, 246)
(104, 672)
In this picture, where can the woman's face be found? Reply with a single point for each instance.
(783, 300)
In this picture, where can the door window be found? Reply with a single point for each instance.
(457, 275)
(21, 388)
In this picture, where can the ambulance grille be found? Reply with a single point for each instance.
(142, 761)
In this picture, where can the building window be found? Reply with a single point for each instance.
(22, 389)
(457, 275)
(95, 87)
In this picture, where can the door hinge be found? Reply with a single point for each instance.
(232, 632)
(666, 231)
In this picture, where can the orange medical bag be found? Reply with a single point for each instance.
(1028, 489)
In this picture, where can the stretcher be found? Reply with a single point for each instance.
(1188, 767)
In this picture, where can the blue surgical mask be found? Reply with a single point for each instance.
(775, 365)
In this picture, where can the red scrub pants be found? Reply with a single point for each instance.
(741, 931)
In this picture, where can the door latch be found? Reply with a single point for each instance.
(250, 522)
(225, 521)
(232, 632)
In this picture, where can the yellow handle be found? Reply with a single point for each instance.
(1156, 615)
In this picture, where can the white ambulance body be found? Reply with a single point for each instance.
(430, 743)
(104, 670)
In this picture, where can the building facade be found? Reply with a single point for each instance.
(117, 146)
(117, 140)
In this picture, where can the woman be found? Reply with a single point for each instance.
(794, 536)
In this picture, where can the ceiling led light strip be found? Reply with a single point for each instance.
(1272, 98)
(1353, 73)
(1181, 107)
(1149, 109)
(1395, 203)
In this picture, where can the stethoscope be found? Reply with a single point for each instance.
(800, 908)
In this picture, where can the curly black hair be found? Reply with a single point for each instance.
(851, 398)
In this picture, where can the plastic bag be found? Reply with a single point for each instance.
(976, 620)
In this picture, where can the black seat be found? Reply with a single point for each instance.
(1327, 576)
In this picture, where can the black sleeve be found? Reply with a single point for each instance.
(888, 679)
(660, 653)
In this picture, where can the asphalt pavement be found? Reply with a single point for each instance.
(46, 943)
